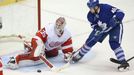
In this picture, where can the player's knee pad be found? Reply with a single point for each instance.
(114, 45)
(37, 45)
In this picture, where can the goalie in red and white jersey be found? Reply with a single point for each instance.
(48, 41)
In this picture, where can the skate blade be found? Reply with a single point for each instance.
(123, 70)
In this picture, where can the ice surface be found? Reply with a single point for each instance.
(95, 62)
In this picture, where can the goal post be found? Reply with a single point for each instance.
(39, 14)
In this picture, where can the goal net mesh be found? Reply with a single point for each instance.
(19, 18)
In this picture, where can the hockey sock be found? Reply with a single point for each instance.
(84, 49)
(120, 54)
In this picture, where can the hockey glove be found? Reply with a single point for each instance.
(112, 23)
(67, 56)
(101, 32)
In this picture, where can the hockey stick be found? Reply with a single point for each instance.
(69, 62)
(49, 64)
(52, 67)
(130, 59)
(118, 62)
(66, 65)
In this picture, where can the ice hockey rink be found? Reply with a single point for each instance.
(96, 62)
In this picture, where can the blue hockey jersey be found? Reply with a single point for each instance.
(106, 13)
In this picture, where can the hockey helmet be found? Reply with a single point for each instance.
(92, 3)
(60, 25)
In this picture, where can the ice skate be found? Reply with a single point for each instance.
(12, 64)
(76, 57)
(124, 66)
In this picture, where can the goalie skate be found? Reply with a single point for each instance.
(12, 64)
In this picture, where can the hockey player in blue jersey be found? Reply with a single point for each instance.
(105, 20)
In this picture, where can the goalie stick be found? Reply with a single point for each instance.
(118, 62)
(57, 69)
(69, 62)
(48, 63)
(52, 67)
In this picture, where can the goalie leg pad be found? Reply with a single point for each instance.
(38, 46)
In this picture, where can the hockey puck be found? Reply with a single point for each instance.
(39, 71)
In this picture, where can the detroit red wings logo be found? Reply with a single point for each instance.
(55, 44)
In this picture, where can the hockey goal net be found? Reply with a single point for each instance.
(21, 17)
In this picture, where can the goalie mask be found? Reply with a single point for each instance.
(59, 25)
